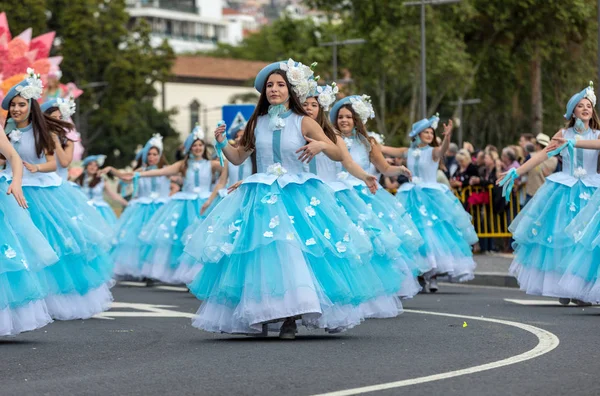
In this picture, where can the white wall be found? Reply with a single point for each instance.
(179, 96)
(210, 8)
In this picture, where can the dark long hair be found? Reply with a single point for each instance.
(262, 108)
(325, 124)
(184, 166)
(60, 127)
(43, 139)
(358, 124)
(161, 162)
(81, 179)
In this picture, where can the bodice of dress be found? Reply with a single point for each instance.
(424, 169)
(23, 141)
(94, 194)
(198, 178)
(153, 188)
(583, 165)
(359, 150)
(62, 172)
(279, 146)
(239, 172)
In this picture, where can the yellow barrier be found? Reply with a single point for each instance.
(487, 223)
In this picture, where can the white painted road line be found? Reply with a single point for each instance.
(553, 302)
(546, 343)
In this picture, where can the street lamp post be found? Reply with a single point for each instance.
(459, 105)
(423, 3)
(335, 44)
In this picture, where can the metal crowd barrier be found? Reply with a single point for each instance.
(488, 223)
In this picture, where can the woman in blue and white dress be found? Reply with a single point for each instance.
(77, 285)
(94, 187)
(280, 248)
(61, 109)
(349, 116)
(149, 195)
(440, 217)
(162, 236)
(23, 251)
(543, 249)
(387, 259)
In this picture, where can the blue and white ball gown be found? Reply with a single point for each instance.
(391, 213)
(78, 284)
(95, 196)
(280, 246)
(23, 252)
(126, 252)
(163, 234)
(543, 248)
(441, 219)
(188, 265)
(387, 260)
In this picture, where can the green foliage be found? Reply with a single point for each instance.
(117, 68)
(25, 14)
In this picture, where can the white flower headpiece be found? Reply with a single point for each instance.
(34, 87)
(66, 107)
(363, 107)
(299, 77)
(589, 94)
(326, 95)
(156, 141)
(378, 137)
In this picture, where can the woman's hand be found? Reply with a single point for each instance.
(17, 192)
(312, 148)
(220, 133)
(448, 129)
(474, 180)
(234, 186)
(456, 183)
(371, 182)
(204, 207)
(406, 172)
(555, 143)
(127, 177)
(105, 171)
(31, 168)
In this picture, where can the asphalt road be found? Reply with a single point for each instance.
(149, 350)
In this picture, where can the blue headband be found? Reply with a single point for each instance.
(425, 123)
(587, 93)
(30, 88)
(189, 141)
(154, 141)
(49, 104)
(338, 105)
(100, 158)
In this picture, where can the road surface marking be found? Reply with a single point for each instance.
(546, 343)
(543, 302)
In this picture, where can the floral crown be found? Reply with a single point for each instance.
(589, 94)
(33, 87)
(363, 107)
(66, 107)
(326, 95)
(300, 77)
(156, 141)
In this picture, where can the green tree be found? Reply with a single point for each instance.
(25, 14)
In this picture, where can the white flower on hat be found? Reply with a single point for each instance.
(157, 141)
(327, 95)
(33, 88)
(378, 137)
(66, 107)
(298, 76)
(363, 107)
(589, 94)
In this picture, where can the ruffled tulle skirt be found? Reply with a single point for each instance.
(389, 259)
(23, 251)
(446, 229)
(270, 252)
(162, 238)
(77, 283)
(395, 217)
(107, 213)
(126, 250)
(543, 248)
(581, 267)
